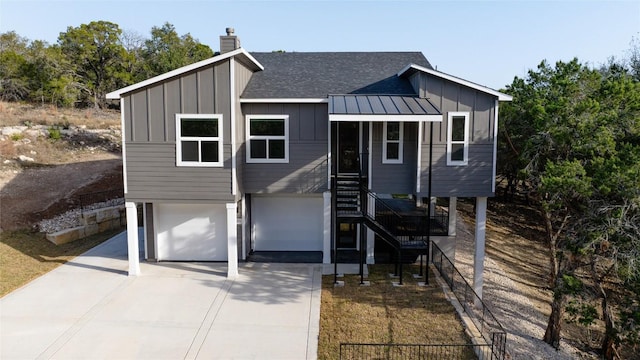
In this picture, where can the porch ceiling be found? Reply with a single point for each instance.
(382, 108)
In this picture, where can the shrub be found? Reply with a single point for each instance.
(54, 133)
(17, 136)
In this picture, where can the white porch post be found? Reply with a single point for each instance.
(132, 238)
(232, 240)
(453, 216)
(478, 254)
(326, 231)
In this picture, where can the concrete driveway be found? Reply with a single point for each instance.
(90, 309)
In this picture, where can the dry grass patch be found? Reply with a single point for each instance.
(26, 255)
(382, 313)
(18, 113)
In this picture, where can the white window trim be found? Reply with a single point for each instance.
(400, 142)
(179, 138)
(465, 159)
(249, 137)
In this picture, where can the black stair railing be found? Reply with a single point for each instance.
(377, 210)
(386, 222)
(351, 198)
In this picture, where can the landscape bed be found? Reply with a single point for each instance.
(383, 313)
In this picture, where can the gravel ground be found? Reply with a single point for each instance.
(73, 218)
(524, 324)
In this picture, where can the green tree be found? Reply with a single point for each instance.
(97, 53)
(573, 137)
(13, 59)
(166, 51)
(133, 62)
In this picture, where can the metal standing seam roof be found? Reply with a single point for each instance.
(387, 107)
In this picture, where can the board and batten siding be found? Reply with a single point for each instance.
(306, 171)
(242, 77)
(475, 178)
(150, 138)
(471, 180)
(394, 178)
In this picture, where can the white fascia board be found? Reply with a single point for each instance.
(232, 91)
(285, 101)
(501, 96)
(118, 93)
(123, 147)
(400, 118)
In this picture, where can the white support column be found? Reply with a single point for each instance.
(433, 200)
(371, 240)
(479, 244)
(453, 216)
(326, 230)
(371, 209)
(132, 238)
(232, 240)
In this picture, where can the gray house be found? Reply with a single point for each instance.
(248, 153)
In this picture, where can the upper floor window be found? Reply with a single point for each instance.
(199, 139)
(267, 139)
(458, 138)
(392, 141)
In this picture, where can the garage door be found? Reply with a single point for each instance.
(189, 232)
(287, 223)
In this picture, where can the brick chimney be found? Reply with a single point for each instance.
(229, 42)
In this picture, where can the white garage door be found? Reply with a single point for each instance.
(287, 223)
(190, 232)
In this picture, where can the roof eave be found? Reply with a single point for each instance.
(385, 117)
(284, 100)
(412, 68)
(114, 95)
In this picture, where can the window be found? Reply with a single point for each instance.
(458, 138)
(392, 142)
(199, 140)
(267, 138)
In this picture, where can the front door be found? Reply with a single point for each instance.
(347, 235)
(348, 147)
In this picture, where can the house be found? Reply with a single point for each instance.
(250, 152)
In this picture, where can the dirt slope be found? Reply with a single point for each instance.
(39, 193)
(49, 156)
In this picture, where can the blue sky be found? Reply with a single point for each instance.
(488, 42)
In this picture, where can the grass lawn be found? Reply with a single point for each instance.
(25, 255)
(382, 313)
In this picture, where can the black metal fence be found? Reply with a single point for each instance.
(486, 323)
(415, 351)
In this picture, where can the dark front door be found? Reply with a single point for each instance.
(348, 147)
(347, 235)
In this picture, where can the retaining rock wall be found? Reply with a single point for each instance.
(93, 222)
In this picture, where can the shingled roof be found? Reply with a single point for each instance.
(319, 74)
